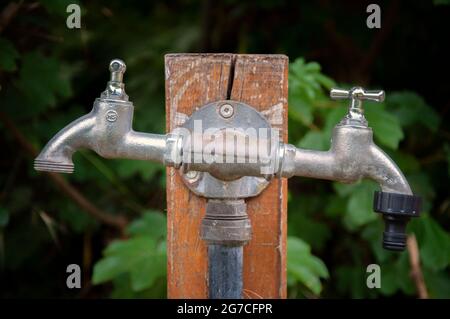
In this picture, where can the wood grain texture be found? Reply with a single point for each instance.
(193, 80)
(262, 82)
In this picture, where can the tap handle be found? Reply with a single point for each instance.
(117, 68)
(357, 93)
(115, 89)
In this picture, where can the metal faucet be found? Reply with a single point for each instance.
(107, 130)
(353, 155)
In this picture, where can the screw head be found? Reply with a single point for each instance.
(226, 110)
(192, 176)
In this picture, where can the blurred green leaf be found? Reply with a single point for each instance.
(434, 243)
(441, 2)
(351, 280)
(142, 257)
(447, 154)
(386, 127)
(411, 108)
(437, 283)
(395, 276)
(8, 56)
(304, 267)
(406, 162)
(335, 206)
(58, 6)
(145, 169)
(332, 118)
(313, 140)
(152, 224)
(132, 256)
(359, 210)
(123, 289)
(306, 85)
(389, 277)
(78, 220)
(41, 83)
(299, 109)
(4, 217)
(305, 223)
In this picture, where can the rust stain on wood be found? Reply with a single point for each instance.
(193, 80)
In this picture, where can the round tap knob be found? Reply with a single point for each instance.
(115, 89)
(117, 68)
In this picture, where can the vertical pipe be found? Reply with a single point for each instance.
(226, 229)
(225, 271)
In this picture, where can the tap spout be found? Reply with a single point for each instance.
(353, 156)
(57, 154)
(107, 130)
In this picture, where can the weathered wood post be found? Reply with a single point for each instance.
(192, 80)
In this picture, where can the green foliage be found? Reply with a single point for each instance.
(40, 83)
(359, 197)
(386, 126)
(8, 56)
(141, 259)
(441, 2)
(57, 6)
(306, 83)
(435, 243)
(411, 109)
(50, 75)
(4, 217)
(304, 268)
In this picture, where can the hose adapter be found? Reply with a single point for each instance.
(397, 209)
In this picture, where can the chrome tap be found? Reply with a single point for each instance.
(107, 130)
(353, 156)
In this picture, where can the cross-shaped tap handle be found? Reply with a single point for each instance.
(356, 96)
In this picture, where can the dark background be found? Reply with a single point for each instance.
(50, 75)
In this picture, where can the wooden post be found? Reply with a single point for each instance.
(261, 81)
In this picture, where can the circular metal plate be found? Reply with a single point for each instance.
(219, 115)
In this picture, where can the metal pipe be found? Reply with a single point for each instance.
(225, 271)
(226, 229)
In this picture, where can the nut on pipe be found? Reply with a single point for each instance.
(226, 223)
